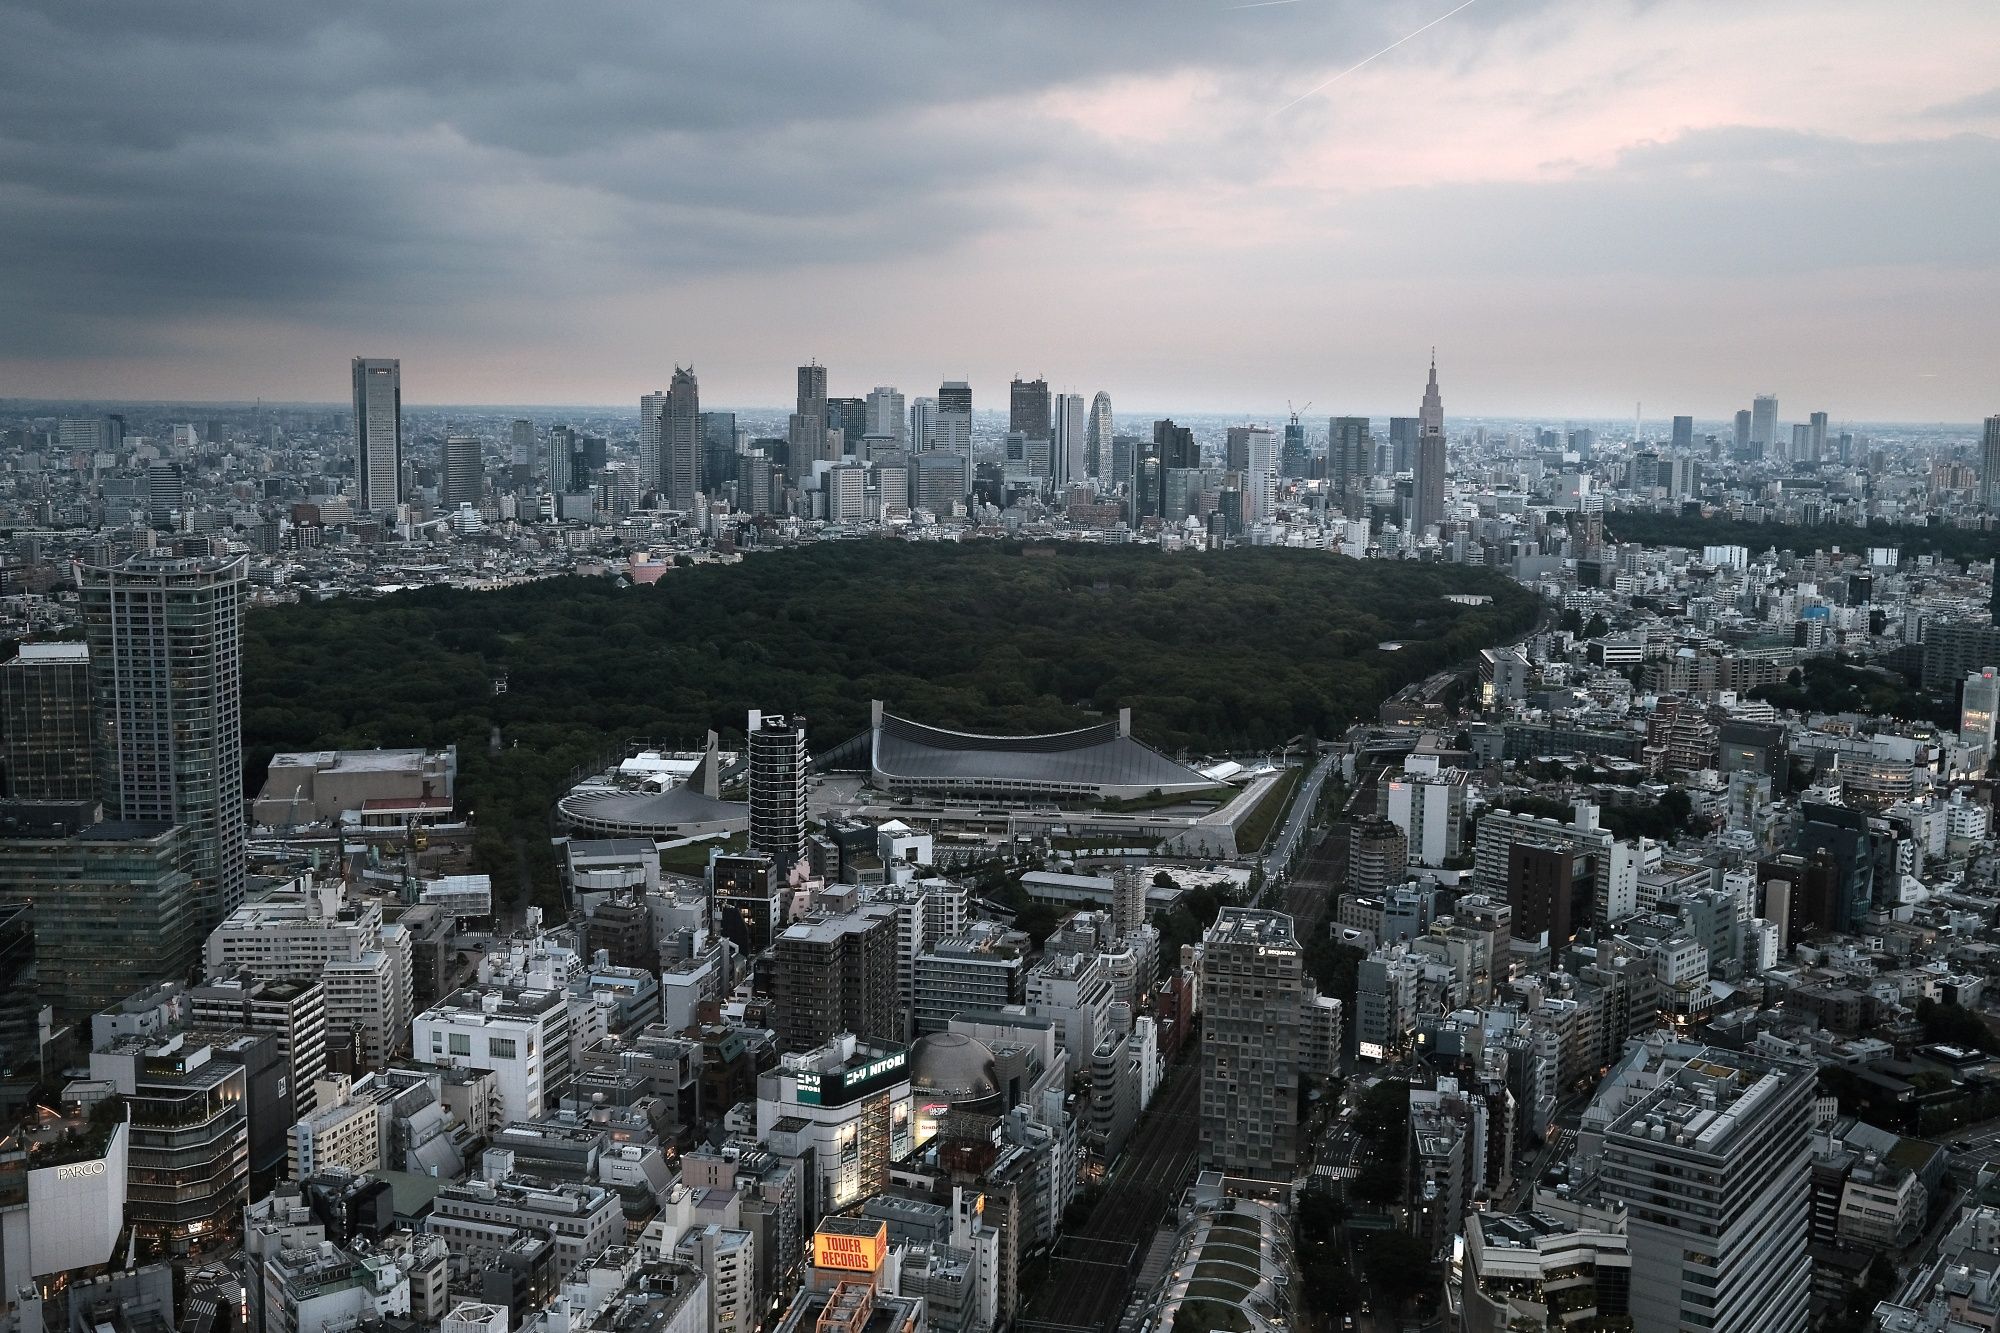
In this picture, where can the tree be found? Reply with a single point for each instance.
(1598, 626)
(1398, 1266)
(1572, 621)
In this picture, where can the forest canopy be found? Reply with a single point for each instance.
(1230, 650)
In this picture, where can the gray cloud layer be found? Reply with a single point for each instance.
(482, 172)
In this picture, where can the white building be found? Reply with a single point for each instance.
(1430, 810)
(523, 1036)
(849, 1105)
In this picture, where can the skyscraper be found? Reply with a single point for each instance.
(1349, 453)
(1098, 435)
(1427, 491)
(166, 671)
(1066, 445)
(778, 759)
(1173, 449)
(1742, 441)
(166, 493)
(718, 449)
(461, 479)
(1253, 987)
(652, 430)
(1707, 1151)
(954, 417)
(524, 437)
(1028, 408)
(923, 424)
(46, 742)
(1818, 427)
(1253, 452)
(1683, 434)
(378, 434)
(680, 441)
(1989, 467)
(1979, 706)
(565, 474)
(1763, 422)
(885, 415)
(1292, 460)
(807, 434)
(1402, 448)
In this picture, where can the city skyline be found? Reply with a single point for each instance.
(1591, 205)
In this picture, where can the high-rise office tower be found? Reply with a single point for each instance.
(778, 760)
(1066, 445)
(954, 419)
(806, 437)
(885, 415)
(923, 424)
(378, 434)
(1253, 986)
(523, 438)
(166, 672)
(680, 441)
(1028, 408)
(1818, 427)
(1173, 449)
(566, 475)
(718, 449)
(46, 729)
(1253, 452)
(1764, 422)
(166, 493)
(1742, 441)
(1708, 1153)
(1989, 467)
(1349, 453)
(462, 478)
(1427, 490)
(652, 428)
(1402, 446)
(1683, 434)
(1098, 435)
(1292, 459)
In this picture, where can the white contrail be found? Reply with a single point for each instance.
(1264, 4)
(1328, 83)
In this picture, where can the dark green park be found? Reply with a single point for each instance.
(1237, 649)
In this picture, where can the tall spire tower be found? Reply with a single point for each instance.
(1427, 476)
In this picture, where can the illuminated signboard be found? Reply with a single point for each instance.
(79, 1170)
(853, 1254)
(840, 1088)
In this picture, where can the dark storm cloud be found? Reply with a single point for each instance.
(178, 160)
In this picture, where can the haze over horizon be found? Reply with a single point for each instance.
(1582, 205)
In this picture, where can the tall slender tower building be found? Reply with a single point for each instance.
(807, 435)
(652, 422)
(954, 417)
(1097, 437)
(1989, 469)
(524, 440)
(1349, 452)
(166, 657)
(923, 424)
(1066, 450)
(778, 760)
(1253, 985)
(378, 434)
(680, 441)
(885, 415)
(1427, 489)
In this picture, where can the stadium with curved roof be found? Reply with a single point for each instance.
(614, 806)
(1089, 764)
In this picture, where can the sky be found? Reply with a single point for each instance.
(1582, 205)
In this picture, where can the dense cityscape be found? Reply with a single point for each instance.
(1273, 666)
(1606, 948)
